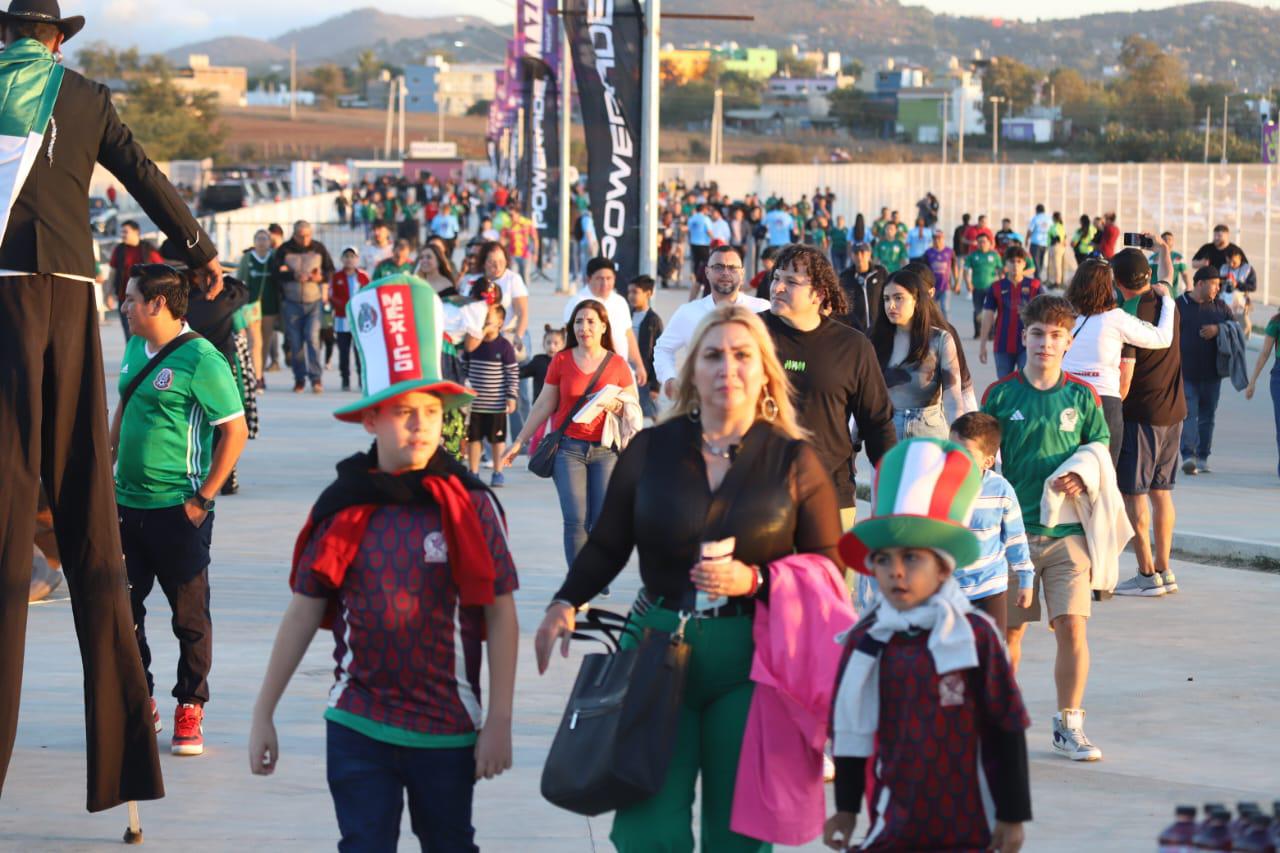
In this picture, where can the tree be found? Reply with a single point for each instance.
(100, 61)
(479, 108)
(1010, 79)
(368, 66)
(1154, 88)
(853, 68)
(326, 81)
(1085, 103)
(171, 124)
(793, 65)
(857, 110)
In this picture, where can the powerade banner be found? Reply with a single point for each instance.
(606, 38)
(540, 162)
(539, 151)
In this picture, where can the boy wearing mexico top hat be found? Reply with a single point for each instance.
(925, 689)
(405, 556)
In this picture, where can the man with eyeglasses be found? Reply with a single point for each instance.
(832, 367)
(725, 275)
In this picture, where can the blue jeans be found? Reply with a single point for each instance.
(1202, 409)
(1275, 405)
(368, 780)
(943, 298)
(581, 475)
(928, 422)
(302, 331)
(1008, 362)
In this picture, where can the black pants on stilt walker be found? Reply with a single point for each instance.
(53, 429)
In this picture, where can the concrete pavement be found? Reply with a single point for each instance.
(1181, 697)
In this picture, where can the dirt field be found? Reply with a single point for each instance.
(267, 135)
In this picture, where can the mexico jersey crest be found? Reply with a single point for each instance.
(163, 380)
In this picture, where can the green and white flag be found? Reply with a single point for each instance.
(30, 78)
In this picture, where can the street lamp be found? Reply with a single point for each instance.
(995, 127)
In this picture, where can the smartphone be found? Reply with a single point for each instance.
(720, 551)
(1141, 241)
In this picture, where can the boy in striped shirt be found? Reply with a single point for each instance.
(494, 374)
(997, 522)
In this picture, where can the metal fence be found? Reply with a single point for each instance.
(1186, 199)
(233, 231)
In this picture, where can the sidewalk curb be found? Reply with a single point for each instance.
(1216, 549)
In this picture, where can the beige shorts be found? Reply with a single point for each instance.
(1062, 571)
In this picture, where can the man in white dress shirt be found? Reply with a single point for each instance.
(602, 275)
(725, 273)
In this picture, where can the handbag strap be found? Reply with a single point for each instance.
(151, 365)
(582, 401)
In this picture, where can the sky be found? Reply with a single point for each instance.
(157, 25)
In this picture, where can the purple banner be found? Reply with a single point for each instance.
(1270, 143)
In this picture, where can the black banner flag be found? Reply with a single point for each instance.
(540, 169)
(606, 39)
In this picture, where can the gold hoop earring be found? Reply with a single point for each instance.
(769, 407)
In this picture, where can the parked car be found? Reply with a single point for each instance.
(216, 198)
(104, 217)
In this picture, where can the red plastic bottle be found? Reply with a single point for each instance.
(1178, 836)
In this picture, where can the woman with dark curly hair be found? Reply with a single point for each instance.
(832, 367)
(1102, 331)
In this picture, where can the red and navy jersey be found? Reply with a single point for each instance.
(1007, 301)
(929, 781)
(408, 656)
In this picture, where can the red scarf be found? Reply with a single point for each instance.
(469, 558)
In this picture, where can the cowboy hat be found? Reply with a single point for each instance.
(43, 12)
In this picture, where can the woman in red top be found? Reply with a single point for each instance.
(583, 464)
(342, 287)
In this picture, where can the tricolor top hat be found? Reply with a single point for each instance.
(398, 326)
(43, 12)
(923, 497)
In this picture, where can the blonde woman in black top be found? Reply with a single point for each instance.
(730, 449)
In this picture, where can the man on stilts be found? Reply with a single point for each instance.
(54, 125)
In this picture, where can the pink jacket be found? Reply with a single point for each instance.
(778, 796)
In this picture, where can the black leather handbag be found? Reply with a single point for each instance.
(618, 732)
(543, 460)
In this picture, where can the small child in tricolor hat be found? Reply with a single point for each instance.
(405, 556)
(925, 692)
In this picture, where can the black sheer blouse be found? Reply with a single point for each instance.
(776, 499)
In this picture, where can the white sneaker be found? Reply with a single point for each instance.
(1069, 738)
(1170, 582)
(1145, 585)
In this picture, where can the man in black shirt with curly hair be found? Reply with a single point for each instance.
(832, 368)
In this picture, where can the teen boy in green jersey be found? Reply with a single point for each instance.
(167, 472)
(1046, 415)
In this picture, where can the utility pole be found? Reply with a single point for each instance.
(401, 100)
(1208, 123)
(566, 132)
(995, 127)
(391, 106)
(717, 128)
(1225, 113)
(945, 96)
(649, 132)
(439, 116)
(963, 108)
(293, 82)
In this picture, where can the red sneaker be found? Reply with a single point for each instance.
(155, 716)
(188, 730)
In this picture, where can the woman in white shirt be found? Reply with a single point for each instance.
(1100, 334)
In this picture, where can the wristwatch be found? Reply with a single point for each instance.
(201, 501)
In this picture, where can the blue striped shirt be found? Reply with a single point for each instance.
(997, 522)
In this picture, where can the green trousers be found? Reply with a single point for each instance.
(717, 696)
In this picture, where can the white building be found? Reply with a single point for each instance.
(455, 86)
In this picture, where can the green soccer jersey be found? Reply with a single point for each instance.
(1039, 431)
(1273, 331)
(166, 434)
(986, 268)
(891, 254)
(1179, 267)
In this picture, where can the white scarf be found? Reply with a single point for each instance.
(856, 715)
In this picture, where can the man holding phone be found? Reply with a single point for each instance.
(302, 269)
